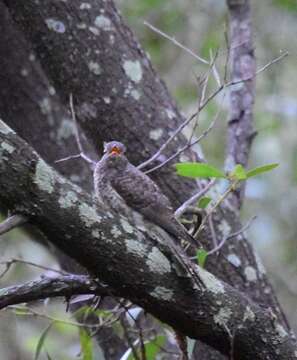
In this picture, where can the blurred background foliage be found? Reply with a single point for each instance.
(199, 25)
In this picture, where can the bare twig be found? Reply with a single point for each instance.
(164, 146)
(230, 236)
(132, 344)
(68, 158)
(212, 231)
(203, 83)
(214, 68)
(179, 212)
(11, 223)
(277, 59)
(177, 43)
(10, 262)
(185, 147)
(140, 333)
(228, 54)
(216, 205)
(236, 82)
(77, 138)
(194, 115)
(24, 310)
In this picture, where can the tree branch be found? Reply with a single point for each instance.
(62, 285)
(102, 113)
(12, 222)
(243, 66)
(129, 261)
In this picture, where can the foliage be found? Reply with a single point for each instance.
(202, 170)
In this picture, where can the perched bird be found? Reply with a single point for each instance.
(119, 184)
(122, 187)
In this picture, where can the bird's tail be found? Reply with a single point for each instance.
(187, 265)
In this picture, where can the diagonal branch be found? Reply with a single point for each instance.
(66, 286)
(11, 223)
(130, 261)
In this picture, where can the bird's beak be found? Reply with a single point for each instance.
(115, 151)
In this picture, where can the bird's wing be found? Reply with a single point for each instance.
(139, 191)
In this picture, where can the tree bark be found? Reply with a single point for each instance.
(105, 244)
(243, 66)
(118, 96)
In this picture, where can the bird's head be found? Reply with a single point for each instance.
(114, 149)
(114, 156)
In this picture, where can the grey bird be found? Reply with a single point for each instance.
(122, 187)
(119, 184)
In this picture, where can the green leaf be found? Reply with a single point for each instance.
(86, 344)
(201, 257)
(152, 348)
(239, 172)
(261, 169)
(204, 201)
(41, 340)
(196, 170)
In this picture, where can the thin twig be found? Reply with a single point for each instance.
(194, 115)
(230, 236)
(164, 146)
(185, 147)
(140, 333)
(68, 158)
(236, 82)
(212, 231)
(30, 312)
(203, 83)
(11, 223)
(227, 56)
(216, 205)
(282, 56)
(175, 42)
(128, 338)
(77, 138)
(214, 68)
(201, 105)
(180, 211)
(9, 263)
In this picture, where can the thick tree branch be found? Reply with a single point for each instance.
(129, 261)
(66, 286)
(242, 66)
(113, 120)
(110, 115)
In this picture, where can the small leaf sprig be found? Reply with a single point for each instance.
(203, 170)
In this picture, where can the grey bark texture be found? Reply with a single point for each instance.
(114, 86)
(242, 66)
(105, 244)
(61, 285)
(54, 50)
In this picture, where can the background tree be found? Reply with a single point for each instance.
(114, 87)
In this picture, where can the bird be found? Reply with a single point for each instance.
(123, 187)
(119, 184)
